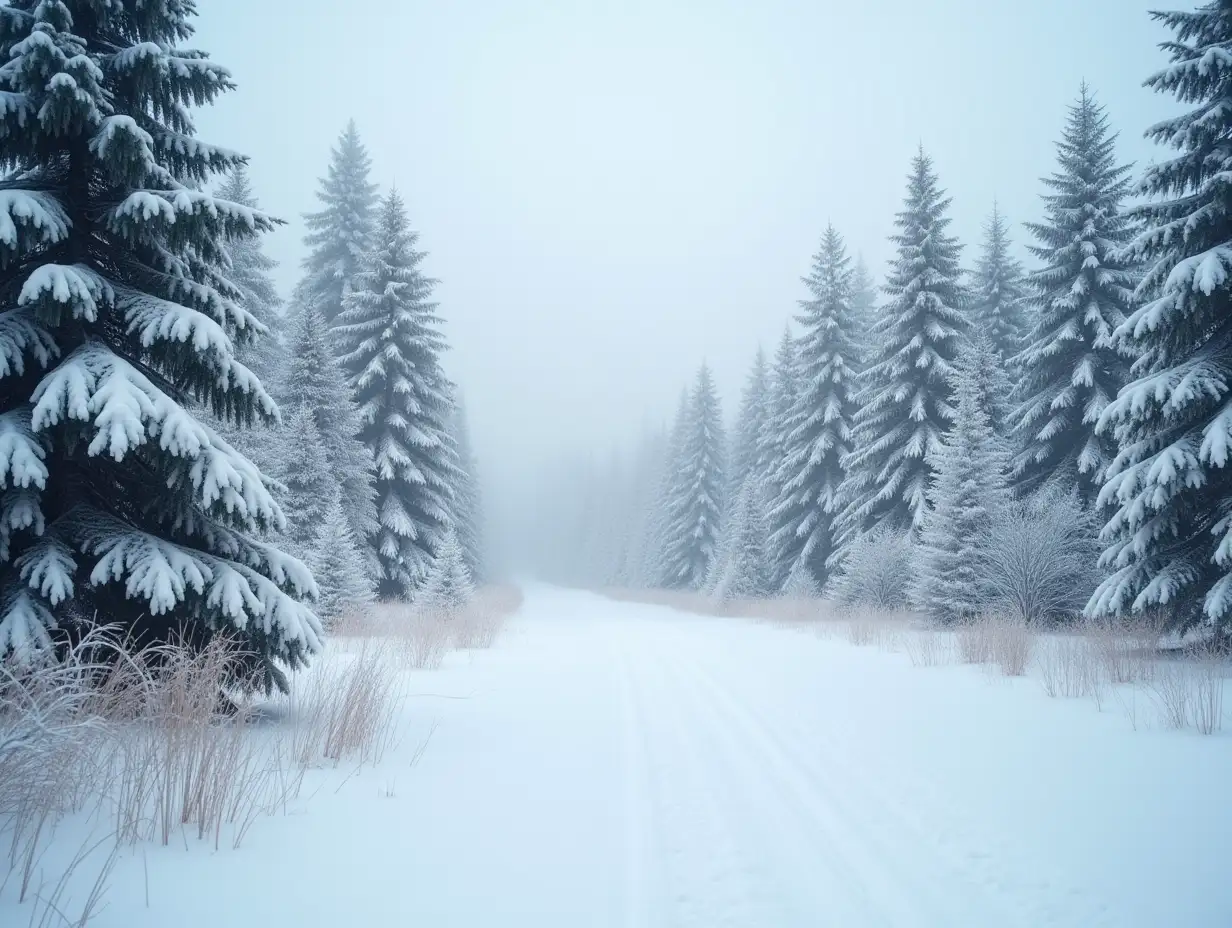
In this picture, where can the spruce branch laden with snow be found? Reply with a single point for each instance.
(118, 328)
(1168, 541)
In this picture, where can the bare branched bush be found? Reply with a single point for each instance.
(477, 625)
(876, 572)
(1010, 644)
(1210, 672)
(973, 640)
(1173, 691)
(928, 648)
(1069, 666)
(1039, 558)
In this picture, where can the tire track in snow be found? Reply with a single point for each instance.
(896, 861)
(801, 873)
(963, 855)
(638, 811)
(706, 868)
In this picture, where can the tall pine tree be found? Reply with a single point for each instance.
(864, 308)
(1070, 369)
(969, 487)
(784, 388)
(390, 341)
(818, 427)
(745, 458)
(468, 497)
(695, 505)
(317, 384)
(998, 289)
(116, 499)
(904, 402)
(340, 233)
(251, 271)
(1169, 540)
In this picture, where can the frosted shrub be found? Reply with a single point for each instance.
(1039, 559)
(876, 572)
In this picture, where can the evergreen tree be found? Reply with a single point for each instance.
(999, 289)
(743, 570)
(317, 384)
(448, 587)
(339, 566)
(340, 233)
(390, 339)
(310, 483)
(750, 425)
(982, 362)
(1070, 369)
(818, 427)
(784, 389)
(250, 271)
(116, 499)
(904, 402)
(969, 488)
(693, 510)
(864, 311)
(1169, 540)
(655, 566)
(468, 498)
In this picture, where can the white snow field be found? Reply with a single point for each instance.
(615, 764)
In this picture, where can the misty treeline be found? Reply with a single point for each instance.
(181, 452)
(1047, 440)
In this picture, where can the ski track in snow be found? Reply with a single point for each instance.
(614, 764)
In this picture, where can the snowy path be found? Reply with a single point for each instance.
(623, 765)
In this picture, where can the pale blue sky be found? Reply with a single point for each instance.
(611, 192)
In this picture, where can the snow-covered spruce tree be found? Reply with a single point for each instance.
(390, 341)
(448, 587)
(468, 498)
(1169, 540)
(744, 570)
(340, 233)
(117, 324)
(980, 360)
(654, 560)
(746, 440)
(1070, 369)
(969, 489)
(317, 384)
(310, 483)
(784, 387)
(695, 505)
(864, 308)
(339, 566)
(250, 271)
(903, 404)
(998, 289)
(818, 427)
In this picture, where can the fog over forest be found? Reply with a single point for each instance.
(612, 193)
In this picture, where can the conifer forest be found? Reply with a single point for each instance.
(655, 465)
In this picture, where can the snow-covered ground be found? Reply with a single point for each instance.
(628, 765)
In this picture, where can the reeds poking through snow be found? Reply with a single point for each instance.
(157, 744)
(423, 637)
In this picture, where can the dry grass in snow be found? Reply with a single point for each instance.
(162, 745)
(1093, 661)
